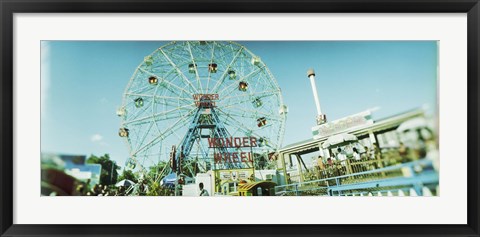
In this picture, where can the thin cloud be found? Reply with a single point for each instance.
(96, 138)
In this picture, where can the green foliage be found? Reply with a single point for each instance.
(156, 189)
(128, 174)
(109, 174)
(156, 170)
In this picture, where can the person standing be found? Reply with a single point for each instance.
(341, 156)
(320, 167)
(203, 192)
(403, 152)
(342, 159)
(366, 153)
(377, 155)
(356, 155)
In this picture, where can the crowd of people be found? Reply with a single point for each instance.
(57, 183)
(102, 190)
(359, 159)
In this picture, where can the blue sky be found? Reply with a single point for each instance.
(83, 83)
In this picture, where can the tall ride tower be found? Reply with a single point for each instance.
(320, 118)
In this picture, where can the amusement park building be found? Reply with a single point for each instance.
(382, 132)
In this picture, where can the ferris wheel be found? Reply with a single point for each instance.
(187, 92)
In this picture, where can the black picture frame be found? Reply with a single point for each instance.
(9, 7)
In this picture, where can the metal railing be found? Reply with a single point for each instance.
(359, 178)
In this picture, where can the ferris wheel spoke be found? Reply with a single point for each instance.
(151, 158)
(236, 122)
(237, 131)
(245, 78)
(157, 119)
(165, 133)
(257, 82)
(222, 78)
(153, 116)
(209, 72)
(169, 100)
(232, 85)
(235, 103)
(197, 77)
(173, 91)
(233, 106)
(142, 89)
(174, 132)
(249, 130)
(167, 82)
(253, 73)
(242, 127)
(258, 113)
(177, 53)
(129, 144)
(138, 111)
(156, 125)
(166, 117)
(161, 97)
(179, 72)
(180, 104)
(144, 136)
(261, 94)
(253, 115)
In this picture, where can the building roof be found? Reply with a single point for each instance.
(388, 123)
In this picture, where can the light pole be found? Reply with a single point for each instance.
(111, 172)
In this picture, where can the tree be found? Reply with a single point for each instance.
(155, 171)
(109, 174)
(128, 174)
(157, 190)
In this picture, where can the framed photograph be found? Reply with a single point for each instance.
(235, 118)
